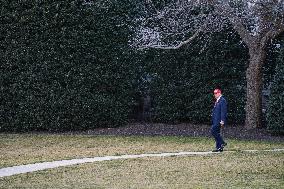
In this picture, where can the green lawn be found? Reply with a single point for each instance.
(235, 169)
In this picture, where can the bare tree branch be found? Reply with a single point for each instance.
(189, 40)
(238, 24)
(273, 33)
(169, 27)
(150, 5)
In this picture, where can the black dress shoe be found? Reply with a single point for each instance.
(218, 150)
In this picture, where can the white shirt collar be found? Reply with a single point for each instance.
(218, 98)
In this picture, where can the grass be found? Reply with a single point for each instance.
(24, 149)
(227, 170)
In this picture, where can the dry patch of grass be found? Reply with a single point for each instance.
(24, 149)
(19, 149)
(221, 170)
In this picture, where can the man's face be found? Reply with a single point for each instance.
(217, 94)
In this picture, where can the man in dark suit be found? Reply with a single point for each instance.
(219, 120)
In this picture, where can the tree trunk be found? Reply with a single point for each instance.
(254, 87)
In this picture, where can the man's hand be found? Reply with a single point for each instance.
(222, 124)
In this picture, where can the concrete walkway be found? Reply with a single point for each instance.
(9, 171)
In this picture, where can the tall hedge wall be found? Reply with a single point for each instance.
(64, 65)
(275, 114)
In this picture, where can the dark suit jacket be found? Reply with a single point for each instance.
(220, 112)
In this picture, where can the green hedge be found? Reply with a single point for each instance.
(183, 80)
(275, 114)
(65, 65)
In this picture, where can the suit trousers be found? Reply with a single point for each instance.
(215, 131)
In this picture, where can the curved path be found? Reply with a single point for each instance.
(9, 171)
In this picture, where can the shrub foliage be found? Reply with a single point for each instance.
(64, 64)
(275, 115)
(183, 80)
(67, 65)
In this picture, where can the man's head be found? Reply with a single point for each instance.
(217, 93)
